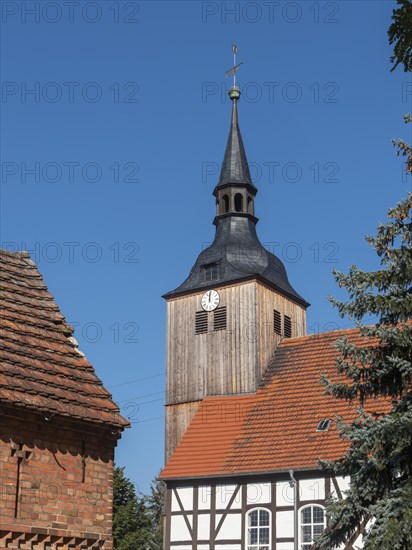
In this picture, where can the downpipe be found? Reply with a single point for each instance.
(295, 509)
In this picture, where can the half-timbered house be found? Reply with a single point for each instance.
(246, 417)
(58, 424)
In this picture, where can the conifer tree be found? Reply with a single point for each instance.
(400, 35)
(379, 457)
(131, 523)
(154, 505)
(137, 518)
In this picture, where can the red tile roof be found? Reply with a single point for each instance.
(41, 367)
(273, 429)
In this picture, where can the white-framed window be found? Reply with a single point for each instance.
(258, 529)
(312, 522)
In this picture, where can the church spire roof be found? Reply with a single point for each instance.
(236, 253)
(235, 167)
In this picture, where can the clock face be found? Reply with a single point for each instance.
(210, 300)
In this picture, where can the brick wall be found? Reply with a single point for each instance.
(56, 479)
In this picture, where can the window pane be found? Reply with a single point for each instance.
(253, 536)
(211, 272)
(264, 518)
(264, 535)
(258, 533)
(318, 514)
(317, 531)
(253, 518)
(306, 515)
(306, 533)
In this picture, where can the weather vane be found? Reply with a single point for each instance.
(233, 70)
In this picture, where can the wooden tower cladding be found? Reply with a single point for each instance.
(227, 354)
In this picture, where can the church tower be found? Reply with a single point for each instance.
(226, 319)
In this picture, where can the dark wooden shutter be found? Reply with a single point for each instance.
(201, 322)
(277, 322)
(219, 319)
(287, 323)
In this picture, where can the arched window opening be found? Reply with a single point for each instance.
(258, 529)
(250, 205)
(225, 204)
(312, 521)
(238, 202)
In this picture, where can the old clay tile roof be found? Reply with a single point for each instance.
(273, 429)
(41, 367)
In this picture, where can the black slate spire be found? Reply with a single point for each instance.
(236, 253)
(235, 192)
(235, 168)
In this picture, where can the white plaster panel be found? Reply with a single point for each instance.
(203, 547)
(223, 495)
(226, 547)
(204, 497)
(231, 527)
(285, 546)
(358, 542)
(343, 483)
(284, 524)
(183, 547)
(203, 526)
(179, 530)
(186, 496)
(258, 493)
(312, 489)
(284, 494)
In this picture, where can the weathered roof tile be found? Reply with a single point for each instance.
(273, 429)
(41, 367)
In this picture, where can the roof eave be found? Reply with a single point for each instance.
(249, 473)
(216, 284)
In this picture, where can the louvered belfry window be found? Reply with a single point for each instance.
(219, 318)
(277, 322)
(287, 325)
(201, 322)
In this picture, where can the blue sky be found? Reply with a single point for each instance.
(114, 120)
